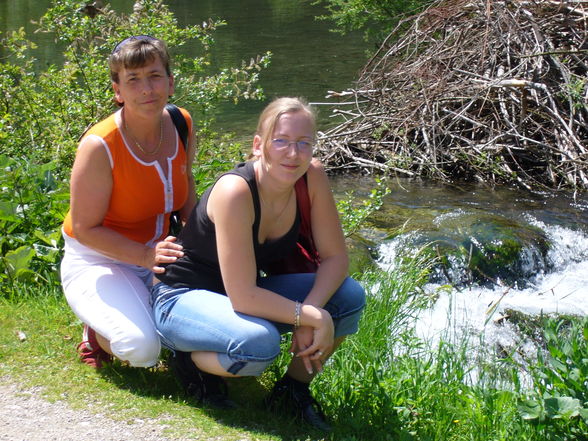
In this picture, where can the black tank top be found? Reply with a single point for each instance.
(199, 267)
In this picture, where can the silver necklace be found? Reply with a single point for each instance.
(137, 142)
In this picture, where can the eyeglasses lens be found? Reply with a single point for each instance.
(282, 144)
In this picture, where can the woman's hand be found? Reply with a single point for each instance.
(166, 251)
(314, 345)
(302, 339)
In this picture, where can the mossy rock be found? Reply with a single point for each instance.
(361, 255)
(482, 248)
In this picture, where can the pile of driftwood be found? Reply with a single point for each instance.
(495, 91)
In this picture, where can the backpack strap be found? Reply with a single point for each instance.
(305, 239)
(179, 122)
(175, 225)
(303, 200)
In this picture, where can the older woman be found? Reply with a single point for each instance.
(130, 172)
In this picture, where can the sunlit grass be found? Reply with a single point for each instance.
(383, 384)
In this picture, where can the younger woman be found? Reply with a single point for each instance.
(214, 310)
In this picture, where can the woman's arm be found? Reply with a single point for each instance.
(91, 188)
(328, 237)
(230, 207)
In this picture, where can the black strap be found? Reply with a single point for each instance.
(175, 224)
(179, 122)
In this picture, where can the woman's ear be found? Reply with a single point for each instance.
(257, 149)
(117, 96)
(171, 85)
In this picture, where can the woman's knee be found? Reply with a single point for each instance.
(261, 342)
(250, 356)
(139, 349)
(347, 307)
(352, 296)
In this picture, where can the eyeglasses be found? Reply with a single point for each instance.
(281, 144)
(119, 46)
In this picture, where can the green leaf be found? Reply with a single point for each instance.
(19, 259)
(562, 407)
(8, 211)
(49, 239)
(531, 410)
(25, 275)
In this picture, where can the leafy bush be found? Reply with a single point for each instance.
(43, 113)
(353, 215)
(32, 206)
(559, 402)
(376, 18)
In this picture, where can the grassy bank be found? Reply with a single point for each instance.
(383, 384)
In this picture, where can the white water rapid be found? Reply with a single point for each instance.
(476, 311)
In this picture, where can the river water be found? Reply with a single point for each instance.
(308, 61)
(557, 285)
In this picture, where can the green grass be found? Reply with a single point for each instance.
(47, 358)
(383, 383)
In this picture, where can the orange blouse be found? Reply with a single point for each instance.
(142, 196)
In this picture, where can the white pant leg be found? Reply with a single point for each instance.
(113, 299)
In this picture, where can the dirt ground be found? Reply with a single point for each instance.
(25, 416)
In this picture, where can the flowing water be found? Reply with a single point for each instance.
(556, 284)
(308, 61)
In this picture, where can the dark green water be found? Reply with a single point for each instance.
(308, 59)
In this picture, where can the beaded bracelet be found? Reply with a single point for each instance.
(297, 315)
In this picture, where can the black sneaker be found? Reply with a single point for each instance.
(294, 397)
(207, 388)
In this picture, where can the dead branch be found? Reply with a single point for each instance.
(476, 89)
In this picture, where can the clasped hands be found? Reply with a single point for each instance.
(313, 345)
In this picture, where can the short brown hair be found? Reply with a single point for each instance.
(135, 52)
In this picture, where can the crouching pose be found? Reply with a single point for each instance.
(131, 171)
(212, 307)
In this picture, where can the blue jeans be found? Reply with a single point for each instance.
(198, 320)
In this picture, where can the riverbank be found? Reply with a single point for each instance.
(383, 384)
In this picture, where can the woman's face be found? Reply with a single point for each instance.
(289, 150)
(144, 89)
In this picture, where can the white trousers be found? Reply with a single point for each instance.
(112, 298)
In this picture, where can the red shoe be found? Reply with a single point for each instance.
(90, 351)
